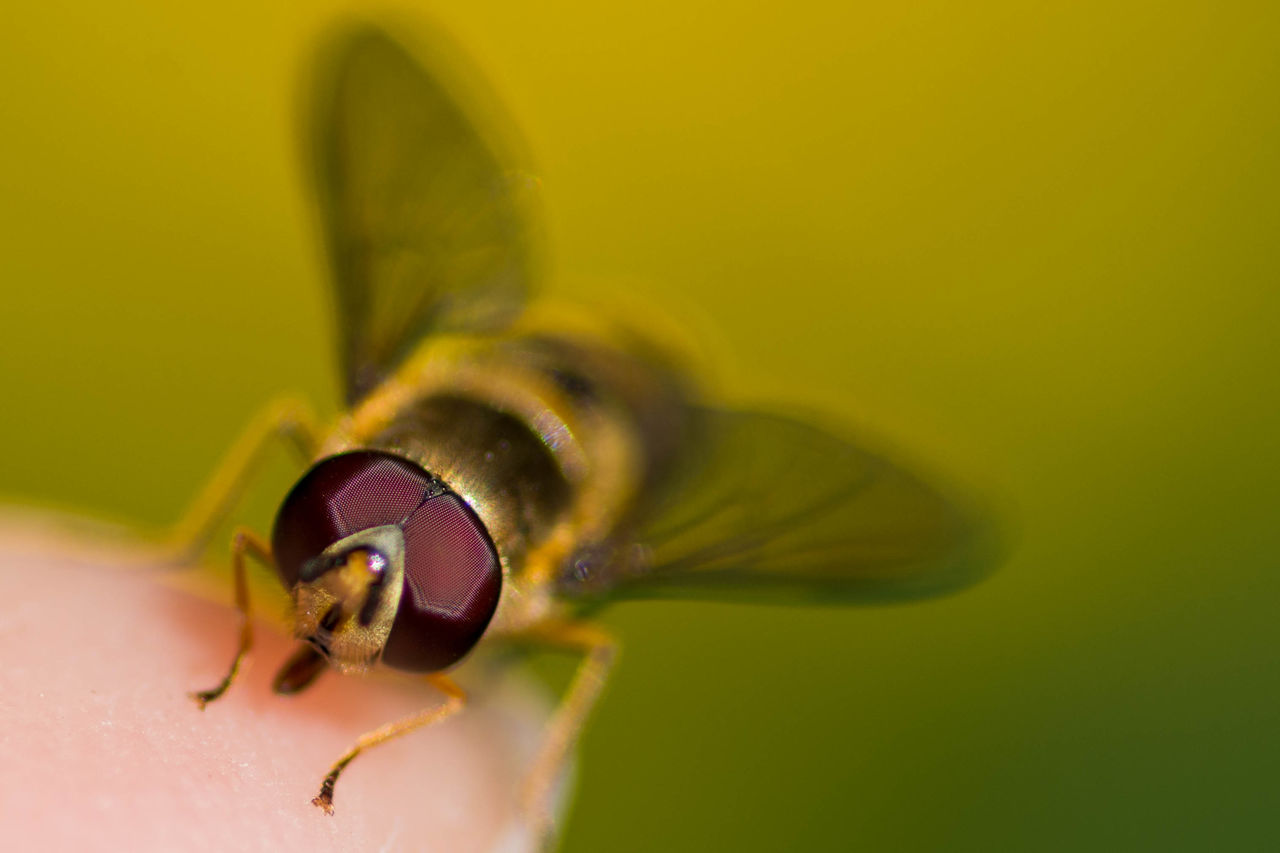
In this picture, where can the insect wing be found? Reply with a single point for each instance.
(768, 508)
(427, 225)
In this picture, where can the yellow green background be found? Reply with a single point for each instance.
(1035, 245)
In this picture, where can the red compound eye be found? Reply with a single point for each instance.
(452, 579)
(452, 575)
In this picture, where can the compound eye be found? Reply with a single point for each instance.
(452, 579)
(339, 496)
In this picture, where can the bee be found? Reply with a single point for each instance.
(495, 477)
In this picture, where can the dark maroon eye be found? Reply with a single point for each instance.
(339, 496)
(452, 579)
(452, 575)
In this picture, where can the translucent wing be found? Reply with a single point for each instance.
(425, 220)
(768, 508)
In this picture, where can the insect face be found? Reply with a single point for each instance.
(385, 562)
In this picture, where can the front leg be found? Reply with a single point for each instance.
(244, 543)
(455, 700)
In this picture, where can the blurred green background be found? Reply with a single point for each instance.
(1034, 245)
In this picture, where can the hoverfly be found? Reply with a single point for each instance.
(496, 478)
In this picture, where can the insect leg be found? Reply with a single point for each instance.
(243, 542)
(289, 418)
(455, 699)
(599, 651)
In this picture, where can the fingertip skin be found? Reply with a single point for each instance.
(105, 750)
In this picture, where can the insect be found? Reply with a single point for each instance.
(496, 477)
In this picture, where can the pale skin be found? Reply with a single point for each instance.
(103, 749)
